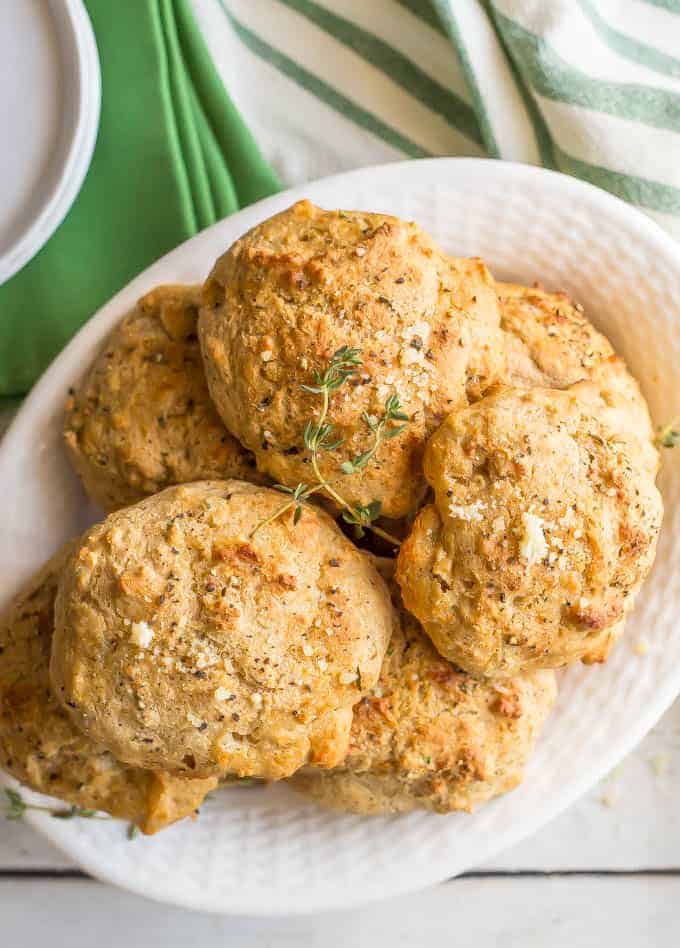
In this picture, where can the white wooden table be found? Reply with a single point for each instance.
(607, 872)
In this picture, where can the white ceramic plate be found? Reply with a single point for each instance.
(268, 851)
(50, 92)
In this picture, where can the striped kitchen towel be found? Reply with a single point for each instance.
(589, 87)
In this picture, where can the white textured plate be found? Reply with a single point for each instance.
(269, 851)
(50, 93)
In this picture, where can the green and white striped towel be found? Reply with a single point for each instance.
(589, 87)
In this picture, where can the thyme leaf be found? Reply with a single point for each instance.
(17, 806)
(669, 435)
(382, 429)
(320, 435)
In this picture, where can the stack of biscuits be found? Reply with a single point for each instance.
(495, 461)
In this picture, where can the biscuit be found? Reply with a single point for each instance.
(298, 287)
(543, 528)
(39, 744)
(550, 343)
(141, 419)
(186, 642)
(429, 736)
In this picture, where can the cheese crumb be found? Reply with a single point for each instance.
(307, 650)
(230, 741)
(256, 699)
(420, 328)
(266, 355)
(470, 512)
(222, 694)
(410, 356)
(346, 678)
(323, 664)
(533, 546)
(141, 634)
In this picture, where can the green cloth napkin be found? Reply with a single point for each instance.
(172, 157)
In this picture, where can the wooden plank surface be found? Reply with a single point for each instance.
(559, 912)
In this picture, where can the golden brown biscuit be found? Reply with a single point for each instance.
(613, 395)
(185, 642)
(543, 529)
(430, 736)
(39, 744)
(549, 343)
(142, 418)
(307, 282)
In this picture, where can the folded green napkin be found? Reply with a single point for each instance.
(172, 157)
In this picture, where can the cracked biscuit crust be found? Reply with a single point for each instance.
(303, 284)
(543, 528)
(549, 343)
(186, 642)
(430, 736)
(142, 418)
(41, 747)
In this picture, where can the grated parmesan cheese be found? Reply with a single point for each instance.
(141, 634)
(533, 546)
(469, 512)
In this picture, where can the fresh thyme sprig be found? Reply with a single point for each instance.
(381, 432)
(17, 806)
(669, 435)
(319, 435)
(343, 365)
